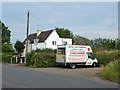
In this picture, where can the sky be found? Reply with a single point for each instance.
(87, 19)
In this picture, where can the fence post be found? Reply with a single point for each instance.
(21, 60)
(11, 60)
(16, 59)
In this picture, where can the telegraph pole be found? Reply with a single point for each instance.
(27, 34)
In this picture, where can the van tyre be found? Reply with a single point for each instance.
(94, 64)
(72, 66)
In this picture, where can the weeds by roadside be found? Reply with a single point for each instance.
(111, 71)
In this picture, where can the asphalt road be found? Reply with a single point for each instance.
(21, 77)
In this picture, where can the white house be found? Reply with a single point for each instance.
(45, 39)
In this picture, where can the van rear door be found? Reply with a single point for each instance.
(60, 56)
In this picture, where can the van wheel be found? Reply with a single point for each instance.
(94, 64)
(72, 66)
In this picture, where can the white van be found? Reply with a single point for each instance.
(73, 55)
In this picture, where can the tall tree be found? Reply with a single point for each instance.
(5, 34)
(5, 38)
(19, 46)
(64, 33)
(78, 40)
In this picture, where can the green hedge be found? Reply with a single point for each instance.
(111, 71)
(105, 57)
(40, 59)
(6, 58)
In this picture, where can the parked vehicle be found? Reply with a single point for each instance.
(73, 55)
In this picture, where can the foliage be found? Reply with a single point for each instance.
(111, 70)
(104, 57)
(7, 48)
(105, 44)
(78, 40)
(46, 50)
(6, 58)
(5, 33)
(19, 46)
(64, 33)
(40, 59)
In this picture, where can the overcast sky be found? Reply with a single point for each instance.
(88, 19)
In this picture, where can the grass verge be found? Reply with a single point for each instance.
(111, 71)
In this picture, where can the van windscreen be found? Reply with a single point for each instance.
(61, 51)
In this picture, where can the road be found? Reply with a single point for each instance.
(21, 77)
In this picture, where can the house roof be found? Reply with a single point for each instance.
(42, 37)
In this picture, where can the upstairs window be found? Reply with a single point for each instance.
(35, 41)
(54, 43)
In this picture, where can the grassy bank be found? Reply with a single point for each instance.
(111, 71)
(104, 57)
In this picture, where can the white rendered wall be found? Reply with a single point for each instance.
(39, 46)
(53, 37)
(59, 41)
(68, 40)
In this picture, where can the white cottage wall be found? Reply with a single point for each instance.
(53, 37)
(39, 46)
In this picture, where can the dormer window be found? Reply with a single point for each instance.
(35, 41)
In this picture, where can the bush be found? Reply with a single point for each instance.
(41, 59)
(46, 50)
(111, 71)
(6, 58)
(105, 57)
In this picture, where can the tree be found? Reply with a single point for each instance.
(78, 40)
(5, 33)
(19, 46)
(5, 41)
(7, 48)
(64, 33)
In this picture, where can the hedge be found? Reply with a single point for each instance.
(40, 59)
(104, 57)
(6, 58)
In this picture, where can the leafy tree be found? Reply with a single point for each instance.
(19, 46)
(78, 40)
(64, 33)
(5, 41)
(7, 48)
(5, 33)
(105, 44)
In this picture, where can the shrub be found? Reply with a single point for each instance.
(6, 58)
(46, 50)
(111, 70)
(105, 57)
(40, 59)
